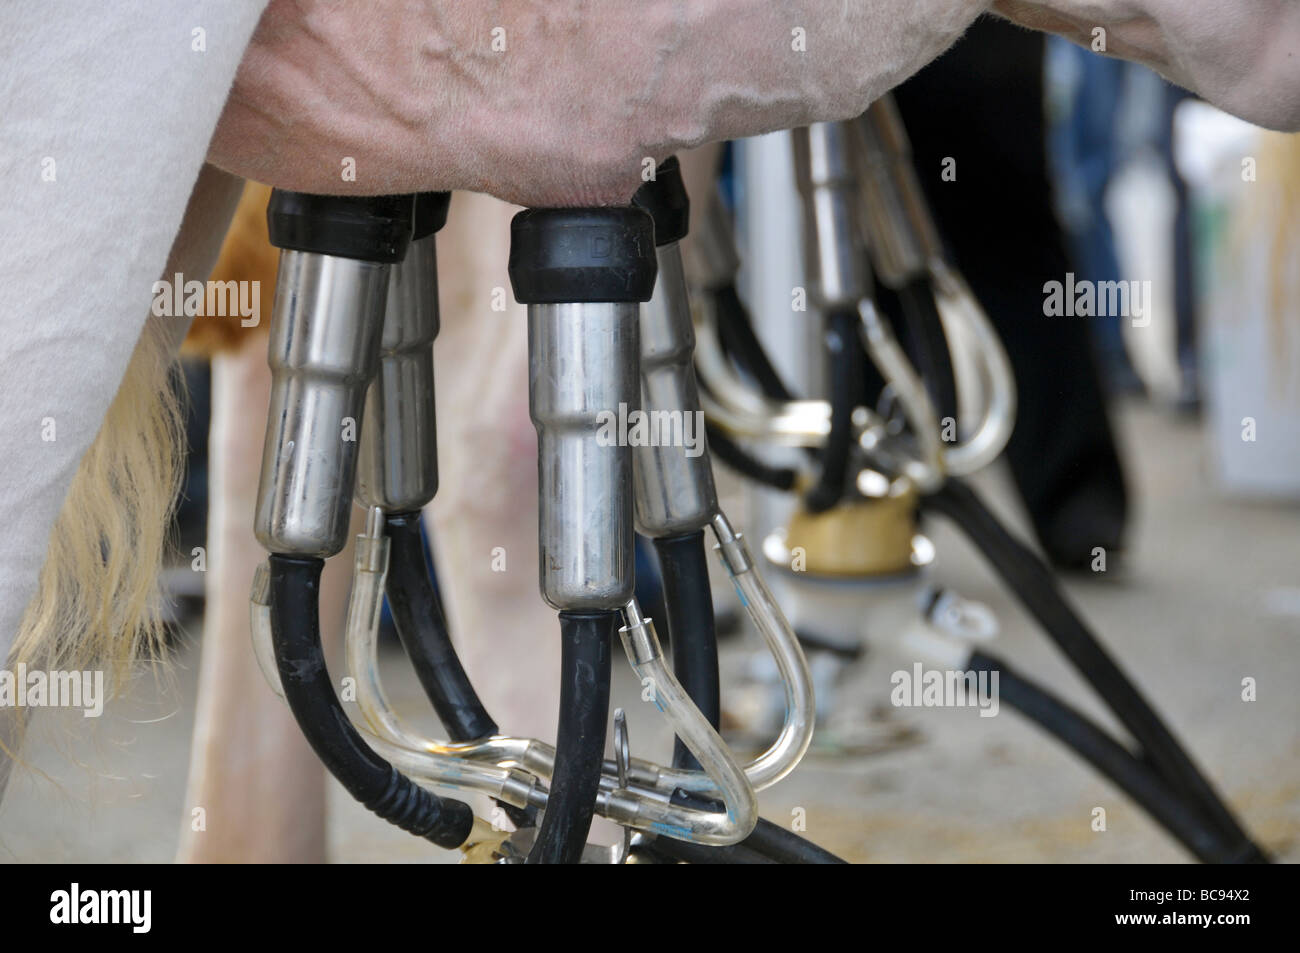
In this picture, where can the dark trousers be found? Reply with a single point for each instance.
(981, 104)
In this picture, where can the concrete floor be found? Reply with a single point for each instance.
(1209, 594)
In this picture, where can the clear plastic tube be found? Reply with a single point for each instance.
(394, 740)
(504, 784)
(792, 742)
(960, 312)
(259, 619)
(888, 356)
(743, 411)
(719, 767)
(483, 766)
(369, 570)
(432, 766)
(767, 769)
(508, 768)
(486, 767)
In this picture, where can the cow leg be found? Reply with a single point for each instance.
(259, 785)
(484, 518)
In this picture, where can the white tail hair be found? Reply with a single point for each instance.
(96, 600)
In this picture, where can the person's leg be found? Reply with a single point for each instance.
(982, 106)
(1189, 395)
(1095, 107)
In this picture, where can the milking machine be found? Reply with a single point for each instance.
(612, 334)
(352, 414)
(327, 326)
(864, 217)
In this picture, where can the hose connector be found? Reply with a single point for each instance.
(640, 640)
(731, 546)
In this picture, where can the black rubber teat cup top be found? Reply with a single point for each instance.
(430, 213)
(664, 197)
(582, 255)
(369, 228)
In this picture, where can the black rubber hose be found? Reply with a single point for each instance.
(787, 847)
(845, 366)
(741, 345)
(688, 603)
(929, 345)
(295, 631)
(665, 848)
(422, 628)
(768, 843)
(1036, 588)
(723, 449)
(1112, 760)
(736, 335)
(586, 640)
